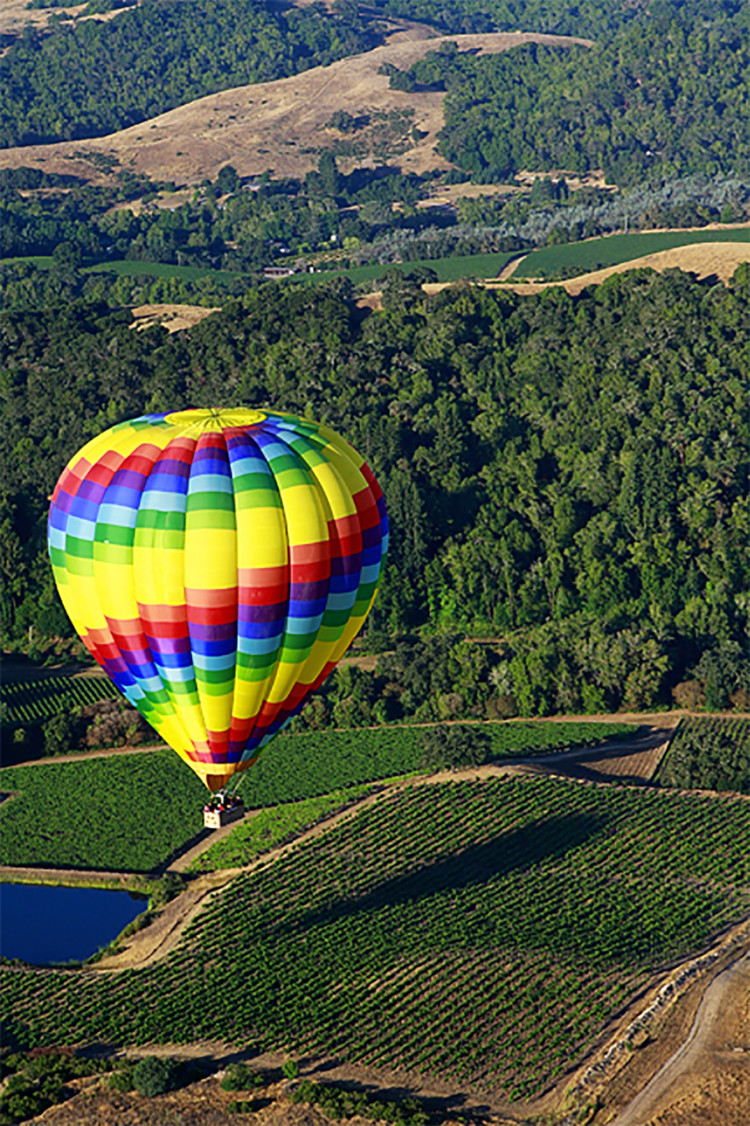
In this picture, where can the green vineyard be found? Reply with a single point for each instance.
(272, 827)
(49, 822)
(479, 932)
(314, 763)
(34, 701)
(709, 754)
(121, 813)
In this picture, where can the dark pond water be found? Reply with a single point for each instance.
(54, 924)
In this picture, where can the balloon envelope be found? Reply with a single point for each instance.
(217, 564)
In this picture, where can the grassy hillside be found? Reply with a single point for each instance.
(95, 77)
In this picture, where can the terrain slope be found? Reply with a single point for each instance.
(281, 126)
(705, 259)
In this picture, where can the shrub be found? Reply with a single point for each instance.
(154, 1075)
(57, 733)
(122, 1080)
(241, 1106)
(241, 1077)
(689, 694)
(450, 748)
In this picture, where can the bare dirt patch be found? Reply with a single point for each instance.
(635, 767)
(174, 318)
(695, 1072)
(279, 126)
(14, 15)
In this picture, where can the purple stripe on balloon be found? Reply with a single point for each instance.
(303, 592)
(129, 479)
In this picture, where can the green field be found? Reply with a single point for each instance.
(480, 932)
(120, 813)
(614, 249)
(136, 268)
(127, 267)
(129, 812)
(447, 269)
(41, 261)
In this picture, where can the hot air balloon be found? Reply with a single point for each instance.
(217, 564)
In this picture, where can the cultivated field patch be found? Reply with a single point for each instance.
(125, 813)
(481, 932)
(613, 250)
(34, 701)
(129, 812)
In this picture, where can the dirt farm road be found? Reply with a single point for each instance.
(685, 1059)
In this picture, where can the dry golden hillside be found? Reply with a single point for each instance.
(282, 126)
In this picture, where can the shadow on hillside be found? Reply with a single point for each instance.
(516, 850)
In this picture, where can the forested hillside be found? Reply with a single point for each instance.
(566, 474)
(663, 98)
(595, 18)
(96, 77)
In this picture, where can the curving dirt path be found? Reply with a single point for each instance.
(685, 1060)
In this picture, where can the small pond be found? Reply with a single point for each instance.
(54, 924)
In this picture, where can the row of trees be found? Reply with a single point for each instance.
(226, 224)
(565, 474)
(240, 228)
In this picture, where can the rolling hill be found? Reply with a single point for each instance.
(281, 126)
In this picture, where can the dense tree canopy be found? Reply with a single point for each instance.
(663, 99)
(589, 18)
(566, 474)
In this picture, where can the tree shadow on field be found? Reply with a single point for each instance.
(514, 851)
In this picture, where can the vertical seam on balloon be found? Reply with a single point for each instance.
(76, 597)
(134, 681)
(236, 591)
(272, 433)
(248, 437)
(152, 567)
(320, 446)
(345, 450)
(201, 693)
(279, 436)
